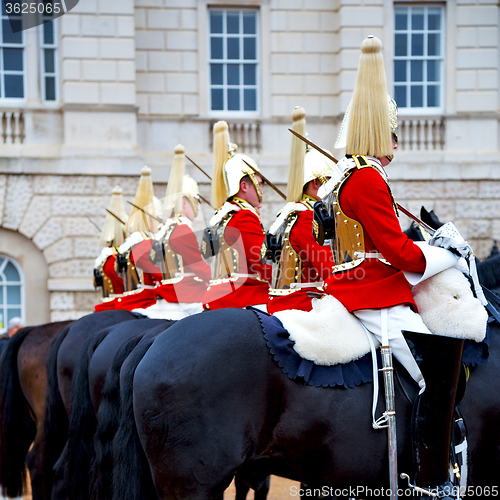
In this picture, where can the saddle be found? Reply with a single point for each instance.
(328, 346)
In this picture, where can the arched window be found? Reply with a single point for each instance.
(11, 292)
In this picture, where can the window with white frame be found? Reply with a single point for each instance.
(11, 292)
(12, 57)
(49, 60)
(418, 57)
(233, 60)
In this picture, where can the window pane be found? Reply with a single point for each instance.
(417, 99)
(233, 74)
(400, 71)
(215, 22)
(433, 40)
(217, 100)
(233, 22)
(249, 48)
(417, 45)
(250, 74)
(8, 35)
(216, 48)
(1, 262)
(233, 48)
(50, 66)
(417, 19)
(13, 295)
(250, 99)
(433, 96)
(14, 86)
(11, 272)
(233, 99)
(48, 33)
(13, 313)
(50, 88)
(13, 59)
(401, 19)
(417, 71)
(1, 299)
(400, 96)
(216, 76)
(433, 71)
(401, 42)
(434, 19)
(249, 23)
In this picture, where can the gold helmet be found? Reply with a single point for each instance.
(113, 232)
(371, 117)
(138, 220)
(306, 164)
(229, 168)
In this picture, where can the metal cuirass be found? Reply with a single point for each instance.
(173, 261)
(348, 244)
(226, 261)
(290, 263)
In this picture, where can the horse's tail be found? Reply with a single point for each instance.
(108, 419)
(17, 428)
(131, 475)
(55, 427)
(82, 423)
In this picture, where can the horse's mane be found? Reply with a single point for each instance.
(82, 422)
(131, 476)
(107, 424)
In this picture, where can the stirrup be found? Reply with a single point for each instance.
(446, 490)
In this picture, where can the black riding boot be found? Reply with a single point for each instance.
(440, 360)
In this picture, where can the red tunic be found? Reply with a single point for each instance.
(317, 262)
(365, 197)
(139, 256)
(189, 288)
(244, 232)
(110, 271)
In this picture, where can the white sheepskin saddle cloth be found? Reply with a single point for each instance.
(330, 334)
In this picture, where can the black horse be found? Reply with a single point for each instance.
(96, 357)
(209, 400)
(23, 382)
(61, 364)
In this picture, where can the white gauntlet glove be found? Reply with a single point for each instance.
(447, 236)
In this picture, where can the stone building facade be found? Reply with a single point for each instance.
(133, 78)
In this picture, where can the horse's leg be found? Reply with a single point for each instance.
(262, 492)
(241, 489)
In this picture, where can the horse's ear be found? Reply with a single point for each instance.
(434, 221)
(424, 214)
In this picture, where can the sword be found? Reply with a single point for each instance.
(94, 224)
(328, 155)
(144, 211)
(115, 216)
(199, 168)
(267, 181)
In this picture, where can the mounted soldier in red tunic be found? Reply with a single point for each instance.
(132, 261)
(175, 250)
(239, 277)
(303, 264)
(113, 234)
(374, 260)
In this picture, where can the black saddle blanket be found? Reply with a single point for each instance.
(347, 375)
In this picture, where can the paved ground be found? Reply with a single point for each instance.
(280, 490)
